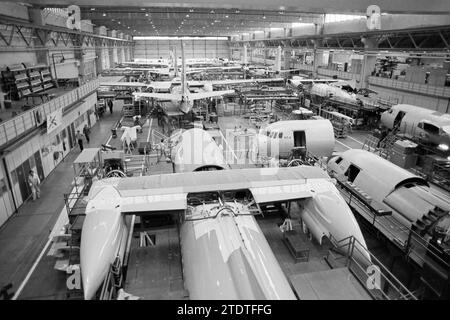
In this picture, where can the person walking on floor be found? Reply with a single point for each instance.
(34, 182)
(110, 105)
(161, 147)
(79, 138)
(86, 132)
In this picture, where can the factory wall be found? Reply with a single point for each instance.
(441, 104)
(14, 10)
(151, 49)
(388, 22)
(304, 30)
(6, 201)
(41, 153)
(8, 56)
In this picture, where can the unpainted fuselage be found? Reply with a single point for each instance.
(408, 196)
(227, 257)
(279, 138)
(427, 125)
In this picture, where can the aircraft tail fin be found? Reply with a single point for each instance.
(184, 87)
(278, 60)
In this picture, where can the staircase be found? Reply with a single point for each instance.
(422, 225)
(335, 257)
(386, 145)
(371, 143)
(158, 136)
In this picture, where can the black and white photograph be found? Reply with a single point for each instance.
(213, 158)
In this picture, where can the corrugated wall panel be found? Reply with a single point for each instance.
(150, 49)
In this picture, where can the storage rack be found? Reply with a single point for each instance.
(21, 80)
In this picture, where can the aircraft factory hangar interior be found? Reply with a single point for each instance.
(237, 150)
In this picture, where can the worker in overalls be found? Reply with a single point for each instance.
(161, 147)
(34, 182)
(79, 138)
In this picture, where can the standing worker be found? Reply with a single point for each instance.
(86, 132)
(34, 182)
(79, 138)
(162, 150)
(110, 105)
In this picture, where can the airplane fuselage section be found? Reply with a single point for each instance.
(226, 256)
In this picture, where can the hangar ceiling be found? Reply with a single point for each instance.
(225, 18)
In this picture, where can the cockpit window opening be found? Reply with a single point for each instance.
(352, 172)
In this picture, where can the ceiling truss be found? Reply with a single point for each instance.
(418, 39)
(31, 36)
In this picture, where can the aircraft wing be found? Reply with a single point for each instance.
(155, 71)
(238, 81)
(197, 70)
(308, 81)
(209, 94)
(124, 84)
(167, 192)
(281, 71)
(158, 96)
(151, 70)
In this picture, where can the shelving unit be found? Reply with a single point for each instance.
(23, 79)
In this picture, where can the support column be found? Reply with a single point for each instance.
(112, 50)
(78, 55)
(99, 50)
(368, 61)
(287, 59)
(318, 56)
(244, 54)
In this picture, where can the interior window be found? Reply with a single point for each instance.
(280, 135)
(338, 160)
(352, 172)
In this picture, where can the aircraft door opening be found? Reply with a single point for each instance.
(352, 172)
(299, 139)
(398, 119)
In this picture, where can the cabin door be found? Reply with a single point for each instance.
(398, 119)
(299, 139)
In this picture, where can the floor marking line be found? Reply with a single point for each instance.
(29, 274)
(362, 143)
(27, 278)
(343, 144)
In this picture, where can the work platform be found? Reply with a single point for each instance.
(334, 284)
(154, 272)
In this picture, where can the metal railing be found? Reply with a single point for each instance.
(339, 73)
(414, 246)
(73, 200)
(417, 88)
(378, 281)
(30, 119)
(113, 281)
